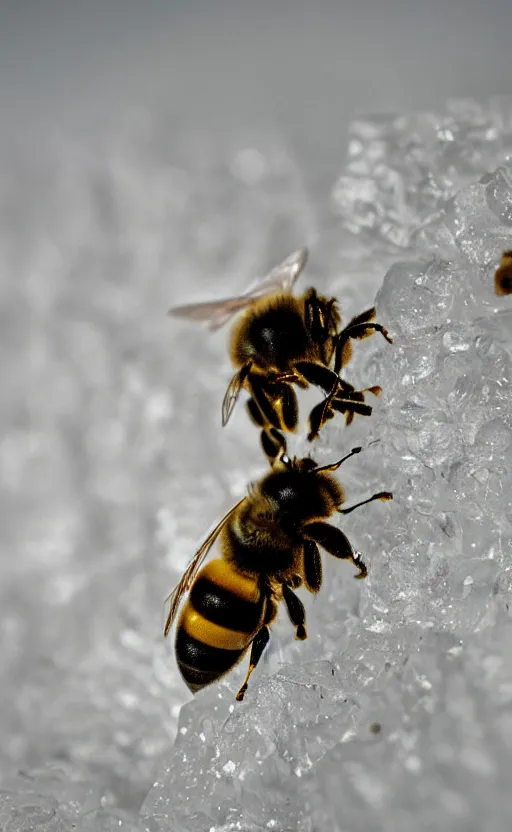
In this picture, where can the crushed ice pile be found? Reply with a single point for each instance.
(396, 713)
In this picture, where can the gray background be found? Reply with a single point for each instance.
(305, 65)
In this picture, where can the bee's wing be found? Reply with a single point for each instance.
(213, 313)
(216, 313)
(233, 392)
(282, 277)
(193, 568)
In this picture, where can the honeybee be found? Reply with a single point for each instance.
(503, 275)
(269, 545)
(281, 340)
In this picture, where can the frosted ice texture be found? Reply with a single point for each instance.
(395, 714)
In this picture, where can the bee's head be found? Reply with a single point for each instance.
(283, 462)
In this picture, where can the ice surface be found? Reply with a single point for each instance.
(401, 169)
(395, 714)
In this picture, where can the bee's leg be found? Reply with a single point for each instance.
(296, 611)
(270, 612)
(264, 397)
(259, 643)
(320, 414)
(336, 543)
(314, 316)
(340, 396)
(353, 402)
(273, 403)
(345, 352)
(289, 407)
(319, 376)
(323, 377)
(358, 328)
(349, 407)
(348, 391)
(327, 380)
(349, 404)
(321, 318)
(382, 495)
(293, 378)
(312, 566)
(362, 318)
(256, 414)
(280, 389)
(273, 442)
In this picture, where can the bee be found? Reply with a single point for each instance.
(503, 275)
(269, 545)
(282, 340)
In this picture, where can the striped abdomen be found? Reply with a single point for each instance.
(222, 613)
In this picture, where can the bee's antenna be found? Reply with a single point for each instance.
(334, 465)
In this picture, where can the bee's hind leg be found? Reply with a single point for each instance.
(273, 443)
(272, 440)
(320, 414)
(255, 413)
(352, 401)
(259, 643)
(261, 638)
(296, 611)
(265, 401)
(320, 376)
(358, 328)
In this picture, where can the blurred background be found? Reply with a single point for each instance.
(109, 212)
(306, 66)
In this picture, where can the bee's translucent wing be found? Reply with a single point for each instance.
(193, 568)
(233, 392)
(216, 313)
(212, 313)
(282, 277)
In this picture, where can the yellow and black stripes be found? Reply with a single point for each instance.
(200, 664)
(222, 613)
(223, 607)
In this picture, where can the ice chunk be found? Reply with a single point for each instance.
(47, 799)
(101, 820)
(401, 169)
(389, 723)
(442, 749)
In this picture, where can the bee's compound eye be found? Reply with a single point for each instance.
(285, 459)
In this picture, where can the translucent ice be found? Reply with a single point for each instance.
(401, 169)
(395, 713)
